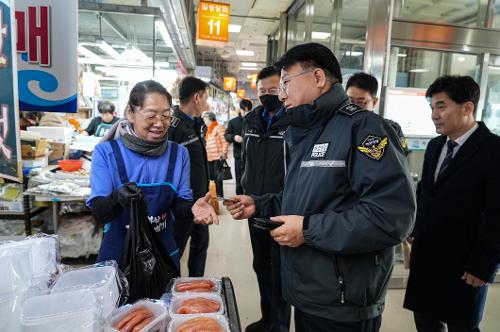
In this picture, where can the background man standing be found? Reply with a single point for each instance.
(456, 246)
(185, 129)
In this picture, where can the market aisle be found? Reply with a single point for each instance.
(230, 255)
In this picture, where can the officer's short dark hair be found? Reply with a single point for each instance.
(363, 81)
(312, 55)
(106, 107)
(189, 86)
(460, 89)
(245, 103)
(268, 72)
(141, 89)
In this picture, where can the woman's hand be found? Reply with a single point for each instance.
(204, 212)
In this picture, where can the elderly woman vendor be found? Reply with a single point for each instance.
(136, 160)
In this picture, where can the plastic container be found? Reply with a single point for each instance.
(177, 302)
(70, 165)
(9, 314)
(101, 281)
(75, 310)
(216, 289)
(175, 323)
(158, 324)
(16, 269)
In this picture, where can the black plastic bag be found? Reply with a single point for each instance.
(145, 262)
(224, 171)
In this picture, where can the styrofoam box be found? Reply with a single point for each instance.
(217, 283)
(176, 322)
(53, 134)
(177, 301)
(75, 310)
(102, 281)
(159, 311)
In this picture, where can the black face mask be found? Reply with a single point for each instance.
(270, 102)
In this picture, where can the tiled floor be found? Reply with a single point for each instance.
(230, 255)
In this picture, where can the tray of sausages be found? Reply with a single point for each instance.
(142, 316)
(205, 323)
(196, 285)
(195, 304)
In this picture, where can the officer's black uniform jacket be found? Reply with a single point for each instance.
(348, 176)
(264, 153)
(187, 132)
(235, 127)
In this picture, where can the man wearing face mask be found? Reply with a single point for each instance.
(263, 160)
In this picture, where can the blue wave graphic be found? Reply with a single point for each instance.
(67, 107)
(47, 82)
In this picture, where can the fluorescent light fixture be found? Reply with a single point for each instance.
(461, 58)
(249, 68)
(249, 64)
(353, 53)
(234, 28)
(133, 54)
(245, 53)
(419, 70)
(88, 53)
(205, 79)
(108, 50)
(162, 29)
(402, 55)
(320, 35)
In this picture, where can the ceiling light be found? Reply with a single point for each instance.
(88, 53)
(419, 70)
(353, 53)
(162, 29)
(234, 28)
(108, 50)
(249, 64)
(461, 58)
(245, 53)
(402, 55)
(320, 35)
(249, 68)
(133, 54)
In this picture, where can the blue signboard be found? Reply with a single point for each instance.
(10, 156)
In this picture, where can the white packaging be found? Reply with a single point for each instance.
(53, 134)
(216, 289)
(179, 299)
(70, 311)
(9, 313)
(101, 281)
(159, 323)
(177, 322)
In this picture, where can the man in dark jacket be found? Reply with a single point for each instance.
(456, 246)
(234, 134)
(348, 199)
(362, 88)
(263, 158)
(186, 130)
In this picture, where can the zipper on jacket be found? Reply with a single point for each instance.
(340, 280)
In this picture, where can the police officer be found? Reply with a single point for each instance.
(348, 199)
(361, 88)
(186, 131)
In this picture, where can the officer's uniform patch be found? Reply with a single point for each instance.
(404, 143)
(174, 121)
(374, 146)
(351, 109)
(319, 150)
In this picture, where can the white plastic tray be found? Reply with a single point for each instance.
(177, 301)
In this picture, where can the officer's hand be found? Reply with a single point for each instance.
(240, 207)
(238, 138)
(124, 194)
(204, 212)
(472, 280)
(290, 234)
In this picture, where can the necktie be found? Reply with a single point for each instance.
(450, 145)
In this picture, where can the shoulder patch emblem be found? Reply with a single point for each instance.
(374, 146)
(351, 109)
(174, 122)
(404, 143)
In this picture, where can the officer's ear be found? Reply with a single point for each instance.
(320, 78)
(375, 102)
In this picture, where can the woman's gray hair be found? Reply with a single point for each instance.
(210, 116)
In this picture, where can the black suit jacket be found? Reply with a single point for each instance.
(457, 230)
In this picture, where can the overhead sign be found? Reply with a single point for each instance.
(253, 81)
(241, 93)
(212, 28)
(10, 154)
(47, 39)
(229, 83)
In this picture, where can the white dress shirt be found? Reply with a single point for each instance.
(460, 141)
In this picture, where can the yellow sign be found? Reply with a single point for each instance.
(229, 83)
(253, 81)
(213, 23)
(241, 93)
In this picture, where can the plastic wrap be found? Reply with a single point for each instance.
(78, 236)
(158, 322)
(103, 280)
(180, 299)
(217, 285)
(176, 323)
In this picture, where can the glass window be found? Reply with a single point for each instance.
(322, 22)
(491, 112)
(457, 12)
(496, 21)
(417, 68)
(298, 32)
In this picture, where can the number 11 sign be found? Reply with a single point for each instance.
(213, 23)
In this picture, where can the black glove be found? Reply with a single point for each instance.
(124, 194)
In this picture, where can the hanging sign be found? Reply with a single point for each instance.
(229, 83)
(212, 28)
(10, 154)
(241, 93)
(253, 81)
(47, 39)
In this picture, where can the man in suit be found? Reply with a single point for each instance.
(456, 246)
